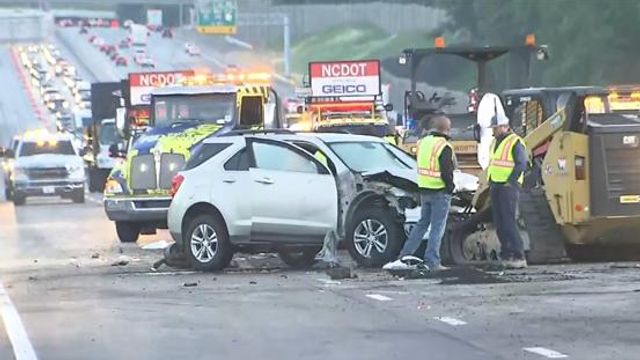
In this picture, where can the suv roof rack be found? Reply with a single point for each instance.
(258, 131)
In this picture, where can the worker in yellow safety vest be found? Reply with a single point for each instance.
(436, 164)
(505, 174)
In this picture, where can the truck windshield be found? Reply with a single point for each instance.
(46, 147)
(208, 108)
(108, 134)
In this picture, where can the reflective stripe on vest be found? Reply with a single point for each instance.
(502, 162)
(429, 151)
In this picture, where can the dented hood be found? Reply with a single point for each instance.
(407, 179)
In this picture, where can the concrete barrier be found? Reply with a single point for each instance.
(96, 64)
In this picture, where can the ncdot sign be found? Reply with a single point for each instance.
(141, 84)
(345, 78)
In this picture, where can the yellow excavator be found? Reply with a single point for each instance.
(581, 195)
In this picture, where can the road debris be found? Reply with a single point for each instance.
(122, 261)
(340, 272)
(32, 278)
(252, 282)
(95, 256)
(156, 265)
(190, 284)
(625, 266)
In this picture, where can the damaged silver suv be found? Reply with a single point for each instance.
(284, 192)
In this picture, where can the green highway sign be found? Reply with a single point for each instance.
(217, 16)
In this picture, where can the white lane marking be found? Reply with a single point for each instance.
(94, 200)
(232, 40)
(172, 273)
(548, 353)
(214, 60)
(378, 297)
(451, 321)
(22, 348)
(329, 282)
(157, 245)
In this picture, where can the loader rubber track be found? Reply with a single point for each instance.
(546, 240)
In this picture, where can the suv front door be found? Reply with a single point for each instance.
(294, 197)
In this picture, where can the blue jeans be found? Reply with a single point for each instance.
(434, 212)
(504, 205)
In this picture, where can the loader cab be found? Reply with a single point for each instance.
(528, 108)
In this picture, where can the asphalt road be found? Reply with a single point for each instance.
(16, 109)
(57, 268)
(69, 290)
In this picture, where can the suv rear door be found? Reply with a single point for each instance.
(294, 197)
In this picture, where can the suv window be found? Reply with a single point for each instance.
(238, 162)
(317, 153)
(277, 157)
(204, 153)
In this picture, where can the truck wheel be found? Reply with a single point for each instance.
(299, 258)
(128, 232)
(78, 196)
(19, 200)
(374, 237)
(207, 243)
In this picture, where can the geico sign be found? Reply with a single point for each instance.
(344, 89)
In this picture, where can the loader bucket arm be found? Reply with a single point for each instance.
(567, 105)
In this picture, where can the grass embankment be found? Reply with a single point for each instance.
(357, 43)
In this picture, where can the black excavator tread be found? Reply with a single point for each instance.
(546, 240)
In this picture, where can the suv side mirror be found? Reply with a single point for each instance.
(8, 153)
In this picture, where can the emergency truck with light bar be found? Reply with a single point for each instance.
(138, 191)
(344, 96)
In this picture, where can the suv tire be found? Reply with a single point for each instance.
(128, 232)
(368, 222)
(19, 200)
(78, 196)
(206, 243)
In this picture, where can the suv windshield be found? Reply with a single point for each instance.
(208, 108)
(32, 148)
(108, 134)
(368, 156)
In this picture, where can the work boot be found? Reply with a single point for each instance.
(515, 264)
(407, 262)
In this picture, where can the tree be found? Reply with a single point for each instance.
(591, 41)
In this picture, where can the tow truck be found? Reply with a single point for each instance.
(137, 192)
(344, 97)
